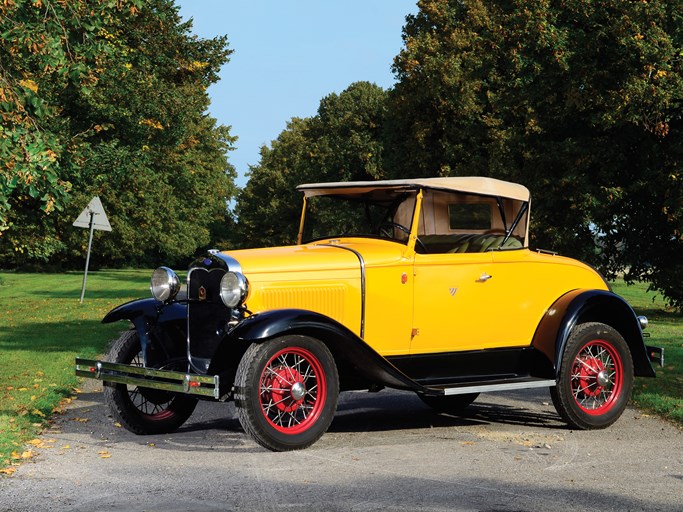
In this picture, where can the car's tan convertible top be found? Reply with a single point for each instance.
(468, 184)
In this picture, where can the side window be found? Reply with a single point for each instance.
(472, 216)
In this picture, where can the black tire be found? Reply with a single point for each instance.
(286, 392)
(143, 410)
(450, 404)
(595, 377)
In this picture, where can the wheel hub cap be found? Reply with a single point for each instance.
(298, 391)
(603, 379)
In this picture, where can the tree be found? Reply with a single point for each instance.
(46, 47)
(579, 100)
(138, 137)
(341, 143)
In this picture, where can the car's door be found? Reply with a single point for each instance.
(453, 303)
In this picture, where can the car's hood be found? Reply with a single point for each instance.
(331, 255)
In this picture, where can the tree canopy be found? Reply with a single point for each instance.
(109, 99)
(579, 100)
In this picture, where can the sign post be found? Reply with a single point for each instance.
(92, 217)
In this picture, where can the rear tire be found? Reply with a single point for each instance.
(286, 392)
(595, 378)
(143, 410)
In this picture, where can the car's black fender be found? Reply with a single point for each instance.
(580, 306)
(359, 366)
(151, 315)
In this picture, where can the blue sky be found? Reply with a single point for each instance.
(288, 55)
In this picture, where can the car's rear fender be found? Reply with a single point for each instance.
(580, 306)
(358, 364)
(152, 316)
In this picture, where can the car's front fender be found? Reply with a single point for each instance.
(151, 309)
(146, 315)
(355, 359)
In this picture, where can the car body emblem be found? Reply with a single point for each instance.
(202, 293)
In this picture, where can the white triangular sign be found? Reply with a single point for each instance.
(99, 218)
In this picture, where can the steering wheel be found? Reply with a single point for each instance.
(385, 227)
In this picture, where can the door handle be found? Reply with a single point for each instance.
(484, 277)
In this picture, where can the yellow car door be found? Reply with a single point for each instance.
(452, 303)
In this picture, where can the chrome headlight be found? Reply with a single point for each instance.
(234, 289)
(165, 284)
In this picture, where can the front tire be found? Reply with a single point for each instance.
(286, 392)
(143, 410)
(595, 377)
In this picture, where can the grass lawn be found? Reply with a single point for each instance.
(43, 327)
(664, 394)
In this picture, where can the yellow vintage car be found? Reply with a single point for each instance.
(425, 285)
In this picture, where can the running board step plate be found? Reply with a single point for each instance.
(492, 387)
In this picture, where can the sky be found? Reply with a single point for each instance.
(288, 55)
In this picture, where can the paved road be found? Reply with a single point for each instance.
(384, 451)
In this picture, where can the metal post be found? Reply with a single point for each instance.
(87, 258)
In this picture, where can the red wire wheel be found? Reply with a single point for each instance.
(286, 392)
(144, 410)
(292, 390)
(595, 377)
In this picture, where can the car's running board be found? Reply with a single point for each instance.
(493, 386)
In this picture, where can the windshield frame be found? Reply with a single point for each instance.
(392, 199)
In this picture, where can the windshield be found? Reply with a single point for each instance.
(378, 213)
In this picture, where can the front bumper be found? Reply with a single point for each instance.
(167, 380)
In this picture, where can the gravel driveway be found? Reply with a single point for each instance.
(385, 451)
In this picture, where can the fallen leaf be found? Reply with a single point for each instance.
(65, 447)
(7, 471)
(118, 425)
(28, 454)
(104, 454)
(81, 420)
(37, 413)
(22, 389)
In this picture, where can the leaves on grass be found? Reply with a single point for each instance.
(25, 455)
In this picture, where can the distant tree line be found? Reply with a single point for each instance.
(579, 100)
